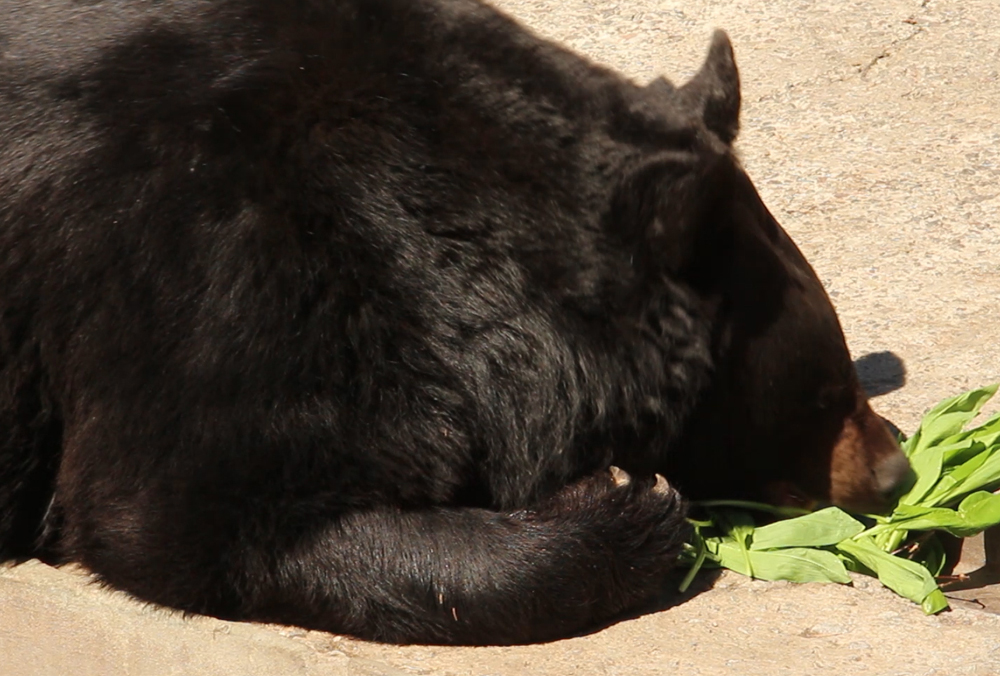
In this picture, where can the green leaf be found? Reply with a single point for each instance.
(701, 552)
(955, 455)
(948, 418)
(934, 602)
(969, 403)
(949, 485)
(728, 554)
(980, 510)
(739, 527)
(825, 527)
(977, 512)
(892, 538)
(988, 433)
(907, 578)
(913, 517)
(927, 465)
(931, 555)
(986, 475)
(853, 565)
(795, 564)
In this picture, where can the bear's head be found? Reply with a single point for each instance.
(784, 419)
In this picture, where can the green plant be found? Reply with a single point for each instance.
(955, 471)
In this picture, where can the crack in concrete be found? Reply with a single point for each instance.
(888, 50)
(839, 75)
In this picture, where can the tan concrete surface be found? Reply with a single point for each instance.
(872, 129)
(59, 623)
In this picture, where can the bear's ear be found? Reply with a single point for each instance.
(714, 92)
(674, 211)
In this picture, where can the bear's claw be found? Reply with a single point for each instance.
(662, 487)
(620, 476)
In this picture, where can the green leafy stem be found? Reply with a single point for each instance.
(956, 470)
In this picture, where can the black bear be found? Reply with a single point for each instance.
(338, 313)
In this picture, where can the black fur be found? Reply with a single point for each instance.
(334, 313)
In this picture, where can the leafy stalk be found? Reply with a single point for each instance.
(956, 471)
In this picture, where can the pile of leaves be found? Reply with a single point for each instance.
(956, 470)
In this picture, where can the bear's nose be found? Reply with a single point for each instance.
(894, 476)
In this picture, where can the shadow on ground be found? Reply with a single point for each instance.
(880, 373)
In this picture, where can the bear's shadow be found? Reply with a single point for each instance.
(669, 597)
(880, 373)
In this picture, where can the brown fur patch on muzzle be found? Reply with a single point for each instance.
(868, 471)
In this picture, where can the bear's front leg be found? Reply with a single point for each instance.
(435, 575)
(474, 576)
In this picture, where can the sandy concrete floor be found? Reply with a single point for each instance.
(872, 129)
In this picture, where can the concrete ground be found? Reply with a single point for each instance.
(872, 129)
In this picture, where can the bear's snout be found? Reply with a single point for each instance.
(893, 476)
(868, 470)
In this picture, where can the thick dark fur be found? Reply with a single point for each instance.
(335, 313)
